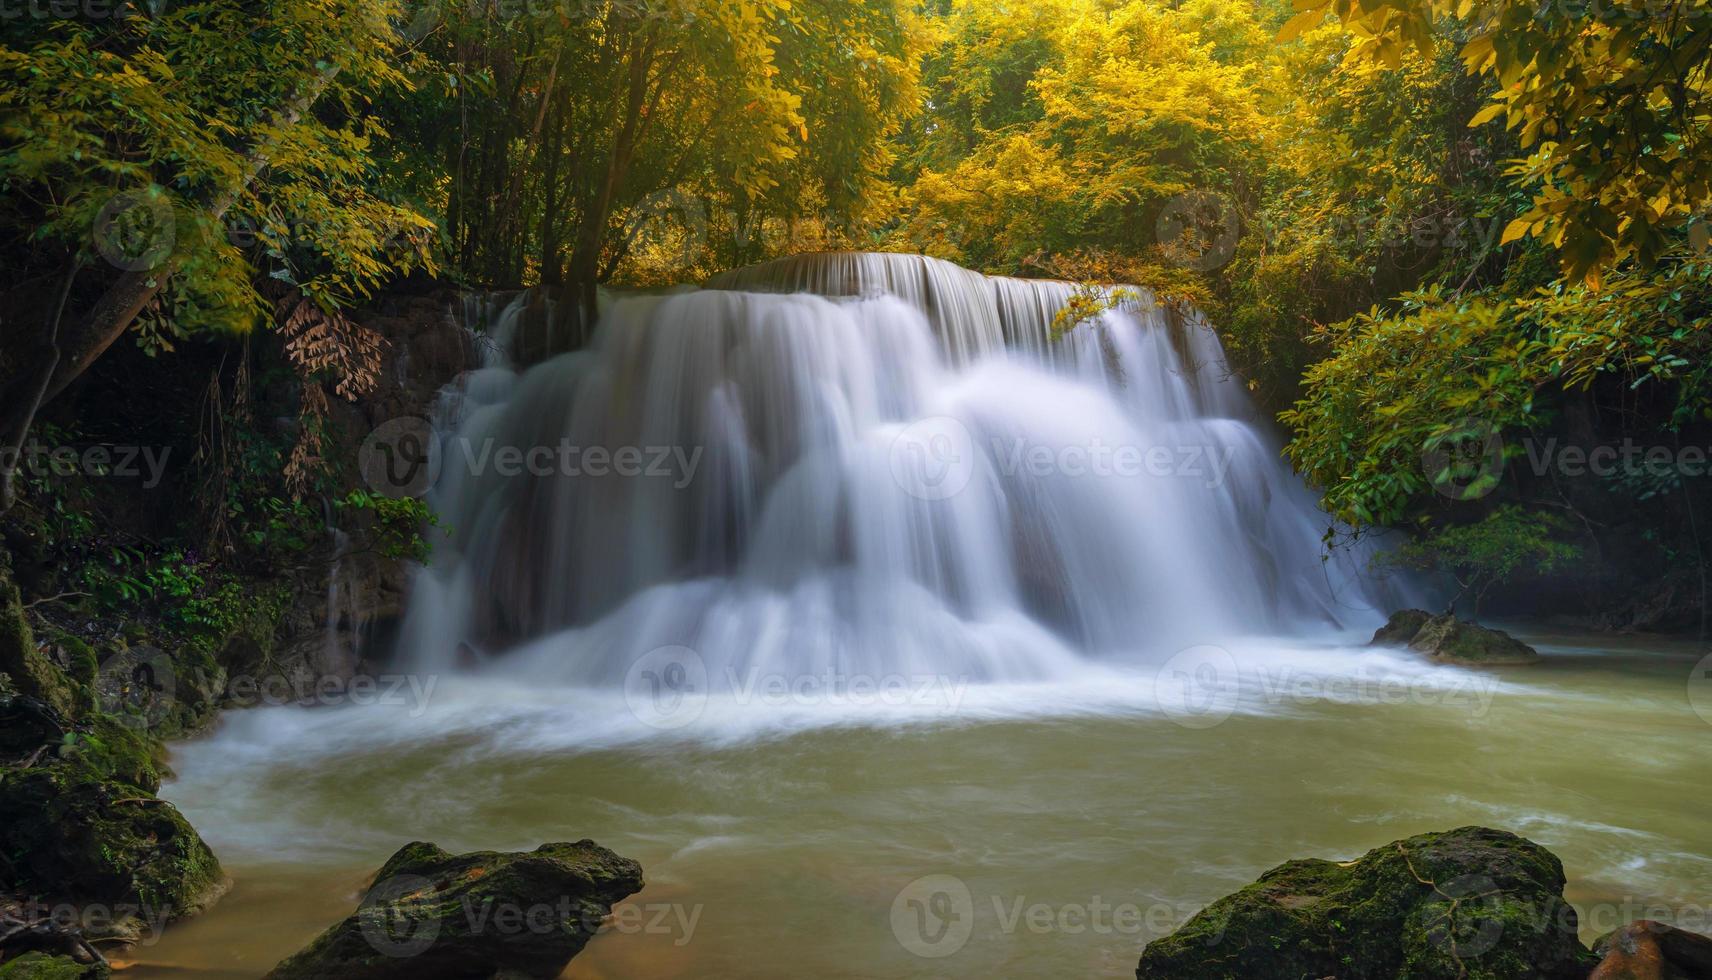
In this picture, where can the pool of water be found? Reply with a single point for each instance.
(1041, 830)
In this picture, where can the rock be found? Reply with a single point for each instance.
(31, 672)
(1401, 627)
(431, 915)
(82, 826)
(1468, 904)
(1647, 950)
(1453, 641)
(40, 966)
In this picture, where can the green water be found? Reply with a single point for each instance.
(1078, 836)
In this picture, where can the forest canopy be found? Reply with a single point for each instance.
(1399, 214)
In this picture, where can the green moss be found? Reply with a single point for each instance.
(65, 832)
(423, 891)
(1455, 641)
(1472, 903)
(41, 966)
(31, 673)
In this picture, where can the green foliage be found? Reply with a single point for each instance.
(1439, 373)
(197, 599)
(398, 523)
(1401, 383)
(634, 141)
(1478, 556)
(224, 141)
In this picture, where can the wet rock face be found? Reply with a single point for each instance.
(1449, 640)
(1648, 950)
(1401, 628)
(431, 915)
(42, 966)
(350, 593)
(1469, 904)
(81, 825)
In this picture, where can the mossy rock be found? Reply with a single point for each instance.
(1454, 641)
(171, 695)
(87, 828)
(30, 672)
(41, 966)
(1401, 627)
(432, 915)
(1468, 904)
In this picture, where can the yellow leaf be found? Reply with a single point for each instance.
(1486, 115)
(1294, 27)
(1514, 230)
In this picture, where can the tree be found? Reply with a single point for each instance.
(1478, 556)
(572, 137)
(166, 160)
(1068, 133)
(1611, 101)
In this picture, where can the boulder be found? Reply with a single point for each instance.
(1468, 904)
(1647, 950)
(41, 966)
(30, 672)
(82, 825)
(431, 915)
(1449, 640)
(1401, 627)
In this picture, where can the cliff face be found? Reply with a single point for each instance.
(346, 603)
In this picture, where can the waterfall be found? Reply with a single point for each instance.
(869, 464)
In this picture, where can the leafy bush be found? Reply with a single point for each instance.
(1490, 552)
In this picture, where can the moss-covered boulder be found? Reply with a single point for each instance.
(41, 966)
(30, 672)
(82, 825)
(433, 915)
(1469, 904)
(1648, 950)
(1449, 640)
(1401, 627)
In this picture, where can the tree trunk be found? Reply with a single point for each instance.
(10, 461)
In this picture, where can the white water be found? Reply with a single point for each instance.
(904, 475)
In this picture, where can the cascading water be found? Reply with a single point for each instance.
(861, 464)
